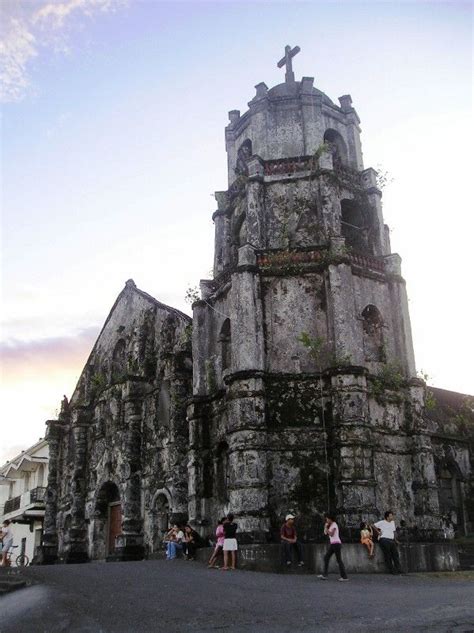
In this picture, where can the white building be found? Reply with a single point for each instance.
(23, 483)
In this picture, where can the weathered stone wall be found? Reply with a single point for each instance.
(124, 435)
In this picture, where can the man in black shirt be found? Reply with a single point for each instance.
(230, 542)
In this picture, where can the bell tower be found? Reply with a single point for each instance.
(305, 395)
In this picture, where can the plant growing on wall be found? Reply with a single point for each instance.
(383, 178)
(321, 352)
(324, 148)
(192, 294)
(389, 378)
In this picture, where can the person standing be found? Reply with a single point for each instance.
(219, 543)
(7, 542)
(388, 542)
(289, 540)
(331, 529)
(230, 542)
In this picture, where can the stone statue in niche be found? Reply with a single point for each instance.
(243, 154)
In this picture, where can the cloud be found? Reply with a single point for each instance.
(30, 28)
(22, 359)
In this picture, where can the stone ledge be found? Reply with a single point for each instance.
(415, 557)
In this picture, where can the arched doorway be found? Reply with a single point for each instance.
(107, 519)
(161, 517)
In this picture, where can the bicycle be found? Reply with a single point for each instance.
(21, 560)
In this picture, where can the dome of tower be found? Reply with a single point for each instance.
(293, 89)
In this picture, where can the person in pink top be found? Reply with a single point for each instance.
(331, 529)
(219, 543)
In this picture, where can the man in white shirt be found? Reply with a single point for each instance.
(388, 542)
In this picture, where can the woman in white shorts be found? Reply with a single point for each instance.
(230, 542)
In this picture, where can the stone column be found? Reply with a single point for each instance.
(347, 333)
(180, 390)
(374, 196)
(353, 132)
(129, 545)
(198, 444)
(246, 306)
(221, 241)
(399, 308)
(425, 488)
(49, 548)
(77, 548)
(247, 437)
(352, 446)
(255, 213)
(246, 432)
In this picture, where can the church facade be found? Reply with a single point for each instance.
(293, 387)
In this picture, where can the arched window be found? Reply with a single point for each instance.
(337, 147)
(373, 334)
(243, 154)
(449, 477)
(164, 402)
(353, 226)
(225, 341)
(118, 361)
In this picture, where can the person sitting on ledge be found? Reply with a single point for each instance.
(289, 540)
(189, 543)
(174, 541)
(366, 536)
(388, 542)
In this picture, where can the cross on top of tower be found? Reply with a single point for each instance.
(286, 61)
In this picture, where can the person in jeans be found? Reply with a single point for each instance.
(289, 540)
(331, 529)
(388, 542)
(230, 542)
(174, 543)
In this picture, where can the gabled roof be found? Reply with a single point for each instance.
(24, 457)
(131, 287)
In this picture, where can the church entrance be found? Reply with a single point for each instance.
(160, 521)
(114, 524)
(107, 520)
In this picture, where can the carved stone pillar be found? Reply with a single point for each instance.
(247, 437)
(49, 549)
(352, 446)
(77, 548)
(425, 487)
(129, 545)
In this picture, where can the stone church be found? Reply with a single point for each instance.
(293, 387)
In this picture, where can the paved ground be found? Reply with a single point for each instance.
(181, 596)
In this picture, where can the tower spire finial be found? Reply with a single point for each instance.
(286, 61)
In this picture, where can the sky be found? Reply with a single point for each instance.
(113, 116)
